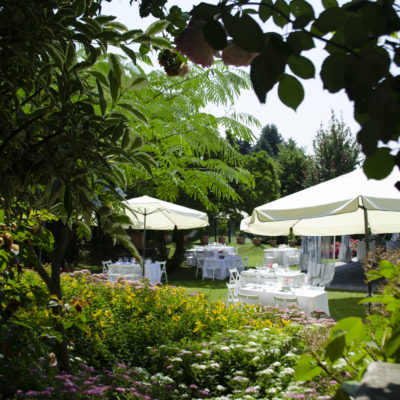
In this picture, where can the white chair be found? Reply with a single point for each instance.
(245, 262)
(248, 277)
(285, 301)
(106, 264)
(163, 266)
(210, 268)
(270, 259)
(234, 276)
(232, 297)
(251, 299)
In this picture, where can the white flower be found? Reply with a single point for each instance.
(266, 371)
(252, 344)
(255, 359)
(276, 364)
(214, 365)
(287, 371)
(220, 387)
(225, 348)
(176, 359)
(271, 391)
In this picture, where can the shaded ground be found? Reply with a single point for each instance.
(349, 276)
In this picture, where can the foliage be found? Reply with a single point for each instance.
(292, 164)
(335, 150)
(266, 184)
(358, 36)
(352, 343)
(269, 140)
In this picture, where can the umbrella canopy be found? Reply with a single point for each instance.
(149, 213)
(343, 205)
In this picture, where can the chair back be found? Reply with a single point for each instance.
(232, 296)
(248, 298)
(233, 275)
(163, 266)
(106, 265)
(247, 277)
(245, 262)
(285, 301)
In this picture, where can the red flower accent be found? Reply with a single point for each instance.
(236, 56)
(192, 44)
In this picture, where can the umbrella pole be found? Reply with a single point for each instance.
(367, 247)
(144, 240)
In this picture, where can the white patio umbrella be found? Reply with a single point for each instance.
(348, 204)
(149, 213)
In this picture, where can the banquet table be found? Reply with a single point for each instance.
(133, 271)
(281, 253)
(278, 275)
(309, 298)
(223, 265)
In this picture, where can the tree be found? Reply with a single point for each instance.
(266, 182)
(362, 52)
(292, 164)
(269, 140)
(336, 151)
(63, 128)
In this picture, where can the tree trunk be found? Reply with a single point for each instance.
(179, 255)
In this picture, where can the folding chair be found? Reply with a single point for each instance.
(234, 275)
(210, 268)
(163, 265)
(106, 265)
(232, 297)
(245, 262)
(285, 301)
(248, 298)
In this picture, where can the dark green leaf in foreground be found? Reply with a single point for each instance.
(215, 35)
(290, 91)
(379, 164)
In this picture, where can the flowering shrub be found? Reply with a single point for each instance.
(185, 346)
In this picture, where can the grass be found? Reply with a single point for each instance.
(341, 303)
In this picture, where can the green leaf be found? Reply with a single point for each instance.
(215, 35)
(302, 21)
(379, 164)
(299, 41)
(306, 368)
(129, 52)
(301, 7)
(113, 84)
(281, 18)
(245, 32)
(70, 55)
(99, 76)
(102, 100)
(335, 70)
(68, 203)
(265, 11)
(341, 395)
(79, 7)
(330, 3)
(205, 11)
(330, 19)
(353, 327)
(83, 230)
(302, 67)
(122, 219)
(134, 111)
(116, 68)
(290, 91)
(161, 42)
(355, 32)
(137, 82)
(156, 27)
(335, 348)
(55, 54)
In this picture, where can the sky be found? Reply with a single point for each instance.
(300, 125)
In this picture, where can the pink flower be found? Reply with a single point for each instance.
(192, 44)
(236, 56)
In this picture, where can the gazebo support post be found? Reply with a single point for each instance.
(367, 247)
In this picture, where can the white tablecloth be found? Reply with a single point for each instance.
(281, 254)
(277, 275)
(130, 271)
(133, 271)
(308, 299)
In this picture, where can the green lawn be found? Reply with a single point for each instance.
(341, 303)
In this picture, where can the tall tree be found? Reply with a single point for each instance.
(264, 170)
(292, 164)
(269, 140)
(336, 150)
